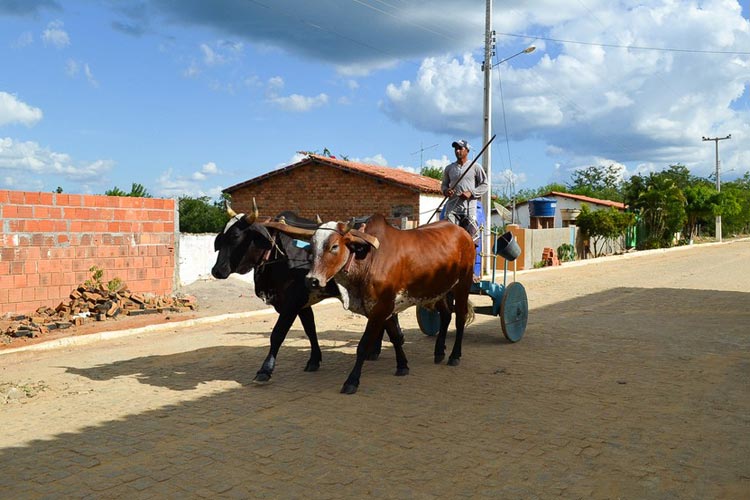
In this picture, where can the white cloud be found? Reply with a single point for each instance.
(377, 159)
(299, 103)
(207, 169)
(20, 159)
(55, 35)
(90, 75)
(274, 84)
(12, 110)
(220, 52)
(24, 40)
(446, 95)
(172, 185)
(73, 68)
(210, 168)
(585, 102)
(192, 71)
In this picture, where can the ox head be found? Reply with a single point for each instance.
(241, 244)
(333, 245)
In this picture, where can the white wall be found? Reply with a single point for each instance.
(197, 257)
(428, 203)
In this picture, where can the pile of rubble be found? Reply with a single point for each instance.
(87, 303)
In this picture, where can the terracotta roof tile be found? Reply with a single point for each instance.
(587, 199)
(396, 176)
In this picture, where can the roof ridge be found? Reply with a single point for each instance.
(386, 173)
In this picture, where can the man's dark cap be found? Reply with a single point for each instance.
(461, 144)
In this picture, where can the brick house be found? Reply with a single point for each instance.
(338, 190)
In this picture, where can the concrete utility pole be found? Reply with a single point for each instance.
(718, 178)
(489, 43)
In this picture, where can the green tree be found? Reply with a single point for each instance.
(136, 191)
(602, 225)
(434, 172)
(702, 202)
(201, 215)
(661, 205)
(528, 194)
(739, 190)
(598, 181)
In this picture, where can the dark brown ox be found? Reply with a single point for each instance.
(382, 270)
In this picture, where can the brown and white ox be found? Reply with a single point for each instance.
(381, 270)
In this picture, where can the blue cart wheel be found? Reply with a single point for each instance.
(514, 311)
(428, 321)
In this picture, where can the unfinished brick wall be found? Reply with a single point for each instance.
(49, 241)
(332, 193)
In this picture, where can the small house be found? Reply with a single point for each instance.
(556, 209)
(338, 189)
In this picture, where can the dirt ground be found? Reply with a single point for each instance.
(631, 382)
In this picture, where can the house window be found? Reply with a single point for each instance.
(399, 211)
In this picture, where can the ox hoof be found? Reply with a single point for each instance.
(439, 358)
(262, 378)
(454, 361)
(312, 367)
(401, 372)
(349, 389)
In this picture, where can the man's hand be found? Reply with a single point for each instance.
(466, 195)
(449, 192)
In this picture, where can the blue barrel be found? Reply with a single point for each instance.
(542, 207)
(480, 221)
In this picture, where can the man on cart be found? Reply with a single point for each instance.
(463, 188)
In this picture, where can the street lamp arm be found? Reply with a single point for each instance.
(527, 50)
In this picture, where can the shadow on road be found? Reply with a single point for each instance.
(640, 393)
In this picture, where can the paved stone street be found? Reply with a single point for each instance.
(631, 382)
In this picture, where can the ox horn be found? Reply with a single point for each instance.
(293, 231)
(230, 212)
(250, 218)
(318, 219)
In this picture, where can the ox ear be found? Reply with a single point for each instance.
(251, 217)
(357, 236)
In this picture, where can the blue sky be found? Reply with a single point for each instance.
(188, 97)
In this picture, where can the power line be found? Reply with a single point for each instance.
(630, 47)
(402, 19)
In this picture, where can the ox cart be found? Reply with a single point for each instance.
(509, 300)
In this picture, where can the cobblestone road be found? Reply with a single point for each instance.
(631, 382)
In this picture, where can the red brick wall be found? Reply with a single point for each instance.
(332, 193)
(49, 241)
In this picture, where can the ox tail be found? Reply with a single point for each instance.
(469, 313)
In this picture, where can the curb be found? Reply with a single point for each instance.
(95, 337)
(630, 255)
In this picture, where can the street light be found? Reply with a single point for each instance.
(487, 158)
(527, 50)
